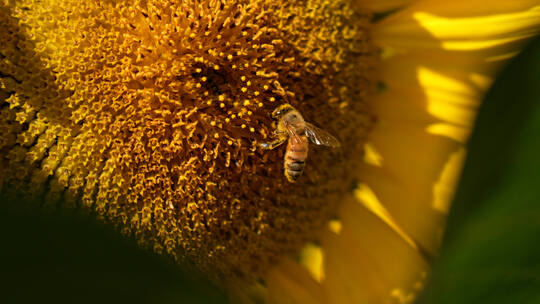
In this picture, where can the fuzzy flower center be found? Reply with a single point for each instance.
(151, 113)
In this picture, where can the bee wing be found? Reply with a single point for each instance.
(320, 136)
(292, 134)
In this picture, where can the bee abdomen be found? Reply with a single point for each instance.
(295, 158)
(294, 169)
(296, 166)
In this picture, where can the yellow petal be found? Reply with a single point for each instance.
(443, 190)
(442, 61)
(500, 26)
(413, 161)
(368, 262)
(430, 87)
(312, 257)
(290, 283)
(423, 119)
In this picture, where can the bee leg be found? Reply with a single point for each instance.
(280, 134)
(273, 144)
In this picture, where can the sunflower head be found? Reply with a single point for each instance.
(156, 112)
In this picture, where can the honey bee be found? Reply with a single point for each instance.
(292, 126)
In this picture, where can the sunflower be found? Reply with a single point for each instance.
(151, 115)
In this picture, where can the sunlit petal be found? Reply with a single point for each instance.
(500, 27)
(368, 262)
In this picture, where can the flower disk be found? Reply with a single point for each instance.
(151, 115)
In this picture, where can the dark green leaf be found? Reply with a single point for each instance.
(67, 257)
(491, 252)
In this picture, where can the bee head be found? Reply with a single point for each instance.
(282, 110)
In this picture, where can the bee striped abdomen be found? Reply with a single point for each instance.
(295, 157)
